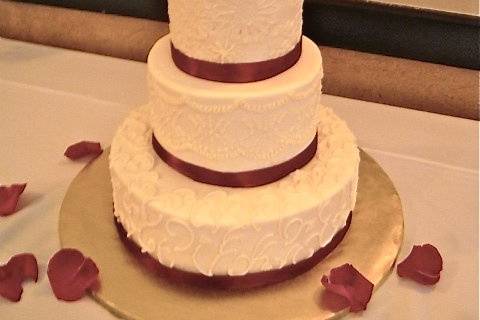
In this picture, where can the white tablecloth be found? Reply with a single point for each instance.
(50, 98)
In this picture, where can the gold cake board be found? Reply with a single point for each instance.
(128, 291)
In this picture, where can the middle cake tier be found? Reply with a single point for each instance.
(235, 127)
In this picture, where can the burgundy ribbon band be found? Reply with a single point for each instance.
(248, 281)
(244, 179)
(236, 72)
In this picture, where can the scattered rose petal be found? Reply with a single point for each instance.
(71, 275)
(422, 265)
(9, 197)
(25, 265)
(83, 149)
(19, 268)
(334, 302)
(346, 287)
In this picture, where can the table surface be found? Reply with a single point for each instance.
(50, 98)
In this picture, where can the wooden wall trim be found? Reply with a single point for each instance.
(359, 75)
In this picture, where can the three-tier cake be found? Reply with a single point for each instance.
(234, 173)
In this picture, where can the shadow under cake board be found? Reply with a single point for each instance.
(129, 291)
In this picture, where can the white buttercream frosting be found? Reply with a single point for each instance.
(235, 127)
(235, 31)
(232, 231)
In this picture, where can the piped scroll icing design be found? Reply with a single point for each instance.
(213, 230)
(233, 31)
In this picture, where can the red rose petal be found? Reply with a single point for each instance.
(18, 269)
(346, 283)
(422, 265)
(83, 149)
(71, 275)
(26, 266)
(9, 197)
(334, 302)
(10, 285)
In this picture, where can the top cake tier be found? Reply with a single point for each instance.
(234, 31)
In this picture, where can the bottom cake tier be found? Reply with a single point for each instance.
(217, 231)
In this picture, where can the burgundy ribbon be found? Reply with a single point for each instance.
(236, 72)
(248, 281)
(244, 179)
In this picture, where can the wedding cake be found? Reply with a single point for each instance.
(234, 172)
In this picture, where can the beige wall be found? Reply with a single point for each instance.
(364, 76)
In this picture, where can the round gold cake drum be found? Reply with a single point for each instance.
(127, 290)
